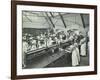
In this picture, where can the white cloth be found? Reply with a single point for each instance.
(75, 57)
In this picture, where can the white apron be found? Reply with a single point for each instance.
(33, 45)
(25, 48)
(75, 57)
(83, 49)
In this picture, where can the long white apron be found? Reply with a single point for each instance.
(75, 57)
(83, 49)
(25, 47)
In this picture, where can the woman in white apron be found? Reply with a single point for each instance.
(75, 54)
(25, 48)
(33, 45)
(83, 47)
(50, 43)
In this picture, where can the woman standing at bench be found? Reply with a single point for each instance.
(83, 47)
(25, 49)
(74, 50)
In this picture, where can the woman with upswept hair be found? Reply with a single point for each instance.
(74, 50)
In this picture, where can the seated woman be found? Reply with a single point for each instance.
(33, 44)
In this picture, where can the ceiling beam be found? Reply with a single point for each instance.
(27, 17)
(62, 19)
(52, 14)
(82, 20)
(50, 20)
